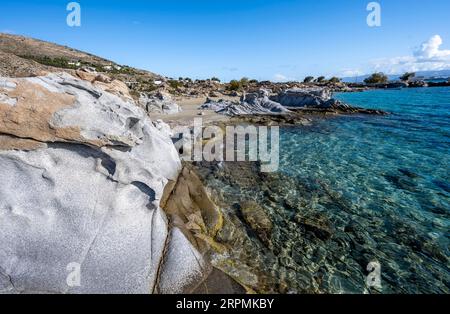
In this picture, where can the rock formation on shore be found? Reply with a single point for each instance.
(160, 103)
(83, 172)
(315, 97)
(261, 103)
(250, 104)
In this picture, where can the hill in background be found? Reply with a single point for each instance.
(22, 57)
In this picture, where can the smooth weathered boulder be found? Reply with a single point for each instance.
(83, 173)
(160, 103)
(216, 105)
(257, 103)
(304, 97)
(104, 82)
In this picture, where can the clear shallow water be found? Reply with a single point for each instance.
(350, 190)
(392, 174)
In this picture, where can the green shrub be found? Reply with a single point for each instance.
(150, 87)
(54, 62)
(175, 84)
(234, 85)
(376, 78)
(335, 79)
(320, 79)
(244, 81)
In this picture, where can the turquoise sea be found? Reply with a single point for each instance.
(389, 179)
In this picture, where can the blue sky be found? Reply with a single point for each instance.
(272, 39)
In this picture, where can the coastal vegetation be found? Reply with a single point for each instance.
(175, 84)
(236, 85)
(320, 79)
(58, 62)
(377, 78)
(335, 79)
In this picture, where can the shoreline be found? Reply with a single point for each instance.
(252, 259)
(219, 243)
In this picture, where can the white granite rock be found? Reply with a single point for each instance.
(159, 103)
(257, 103)
(88, 197)
(304, 97)
(216, 105)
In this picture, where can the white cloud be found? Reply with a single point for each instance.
(350, 73)
(281, 78)
(427, 57)
(430, 50)
(7, 31)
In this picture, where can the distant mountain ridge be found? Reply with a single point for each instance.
(395, 77)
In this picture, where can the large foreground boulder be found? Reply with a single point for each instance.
(83, 172)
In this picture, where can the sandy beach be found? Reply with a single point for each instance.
(190, 111)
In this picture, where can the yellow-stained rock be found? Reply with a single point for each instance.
(191, 209)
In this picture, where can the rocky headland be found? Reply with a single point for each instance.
(291, 106)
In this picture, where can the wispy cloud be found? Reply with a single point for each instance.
(427, 57)
(7, 31)
(280, 78)
(350, 73)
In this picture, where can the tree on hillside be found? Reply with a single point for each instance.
(215, 79)
(320, 79)
(234, 85)
(244, 81)
(376, 78)
(308, 79)
(335, 79)
(407, 76)
(175, 84)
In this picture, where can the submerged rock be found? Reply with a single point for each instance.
(83, 173)
(316, 224)
(257, 219)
